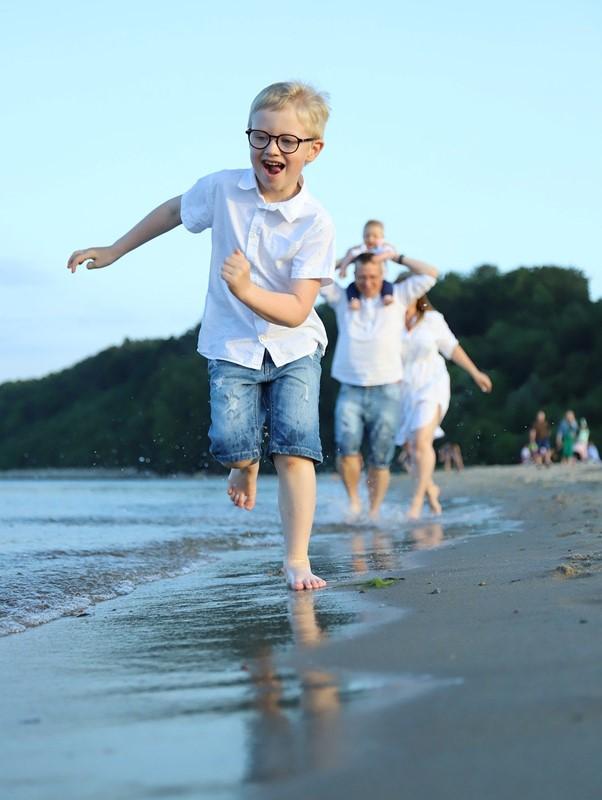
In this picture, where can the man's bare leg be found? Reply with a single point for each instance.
(425, 465)
(350, 469)
(378, 483)
(242, 483)
(297, 503)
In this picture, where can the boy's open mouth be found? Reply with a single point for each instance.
(273, 167)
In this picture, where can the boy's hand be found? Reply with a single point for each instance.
(96, 257)
(237, 273)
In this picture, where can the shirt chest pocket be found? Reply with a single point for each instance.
(280, 249)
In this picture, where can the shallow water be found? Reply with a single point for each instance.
(68, 544)
(203, 686)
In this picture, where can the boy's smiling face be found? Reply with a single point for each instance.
(277, 172)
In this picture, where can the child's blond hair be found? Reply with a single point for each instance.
(311, 106)
(374, 223)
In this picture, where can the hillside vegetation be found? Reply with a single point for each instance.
(146, 403)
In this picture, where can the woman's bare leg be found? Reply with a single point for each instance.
(425, 465)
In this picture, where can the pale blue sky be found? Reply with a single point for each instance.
(472, 129)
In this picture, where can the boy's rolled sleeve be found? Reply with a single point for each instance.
(316, 256)
(196, 206)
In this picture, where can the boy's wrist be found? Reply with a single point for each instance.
(244, 292)
(116, 251)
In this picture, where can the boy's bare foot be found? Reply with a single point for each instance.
(299, 576)
(432, 495)
(415, 509)
(354, 304)
(387, 299)
(242, 486)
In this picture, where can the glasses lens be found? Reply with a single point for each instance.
(258, 139)
(288, 144)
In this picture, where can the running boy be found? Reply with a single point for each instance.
(272, 248)
(374, 242)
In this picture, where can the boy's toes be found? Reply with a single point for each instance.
(300, 577)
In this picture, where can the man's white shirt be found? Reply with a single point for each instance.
(368, 350)
(282, 241)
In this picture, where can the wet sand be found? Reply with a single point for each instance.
(518, 617)
(482, 679)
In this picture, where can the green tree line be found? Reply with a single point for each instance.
(145, 404)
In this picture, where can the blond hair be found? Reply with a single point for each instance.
(375, 223)
(311, 106)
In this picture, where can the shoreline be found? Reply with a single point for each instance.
(518, 618)
(500, 670)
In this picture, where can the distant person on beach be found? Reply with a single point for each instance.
(541, 436)
(272, 249)
(367, 363)
(566, 434)
(581, 445)
(525, 455)
(450, 454)
(374, 242)
(425, 392)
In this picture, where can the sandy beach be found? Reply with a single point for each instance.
(476, 673)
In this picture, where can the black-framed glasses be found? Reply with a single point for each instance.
(286, 142)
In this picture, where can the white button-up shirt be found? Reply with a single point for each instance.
(282, 241)
(368, 350)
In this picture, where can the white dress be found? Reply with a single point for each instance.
(425, 388)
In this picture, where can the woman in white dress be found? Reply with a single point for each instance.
(426, 392)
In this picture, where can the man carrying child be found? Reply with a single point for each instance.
(367, 363)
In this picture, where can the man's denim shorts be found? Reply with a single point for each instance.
(373, 411)
(280, 401)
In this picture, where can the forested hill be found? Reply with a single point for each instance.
(145, 404)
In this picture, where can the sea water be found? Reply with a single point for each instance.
(203, 683)
(66, 545)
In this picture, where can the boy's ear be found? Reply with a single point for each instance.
(315, 150)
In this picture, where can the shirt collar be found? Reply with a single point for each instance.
(290, 209)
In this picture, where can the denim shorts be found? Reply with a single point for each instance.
(280, 403)
(370, 410)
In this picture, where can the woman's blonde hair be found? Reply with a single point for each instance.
(310, 104)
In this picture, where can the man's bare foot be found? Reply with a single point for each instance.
(354, 511)
(299, 576)
(374, 514)
(432, 495)
(415, 509)
(242, 486)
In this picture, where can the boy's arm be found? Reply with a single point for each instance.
(160, 220)
(281, 308)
